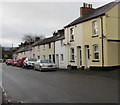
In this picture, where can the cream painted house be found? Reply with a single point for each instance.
(36, 49)
(24, 52)
(45, 49)
(52, 48)
(97, 35)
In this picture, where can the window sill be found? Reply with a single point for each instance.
(72, 61)
(95, 60)
(71, 40)
(62, 62)
(95, 36)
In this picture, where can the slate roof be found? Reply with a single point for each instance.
(53, 38)
(48, 40)
(61, 37)
(44, 41)
(26, 48)
(93, 14)
(36, 43)
(20, 50)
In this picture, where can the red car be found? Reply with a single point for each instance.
(15, 63)
(9, 61)
(20, 62)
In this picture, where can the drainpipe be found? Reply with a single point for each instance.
(102, 41)
(12, 52)
(54, 52)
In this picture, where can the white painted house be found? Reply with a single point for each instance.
(73, 41)
(60, 51)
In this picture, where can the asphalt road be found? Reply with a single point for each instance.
(0, 83)
(31, 86)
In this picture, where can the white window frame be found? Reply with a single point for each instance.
(71, 34)
(49, 45)
(95, 51)
(72, 50)
(61, 57)
(38, 47)
(95, 28)
(38, 57)
(50, 57)
(33, 55)
(44, 47)
(33, 49)
(44, 57)
(61, 42)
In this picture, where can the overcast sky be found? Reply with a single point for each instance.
(19, 18)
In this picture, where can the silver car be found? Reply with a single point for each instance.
(44, 64)
(29, 62)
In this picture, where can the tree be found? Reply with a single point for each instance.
(32, 38)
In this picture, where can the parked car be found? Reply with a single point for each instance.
(15, 63)
(1, 60)
(20, 62)
(29, 62)
(44, 64)
(9, 61)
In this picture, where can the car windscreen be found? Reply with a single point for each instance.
(15, 60)
(10, 60)
(32, 59)
(46, 61)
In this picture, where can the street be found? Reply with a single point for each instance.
(0, 83)
(29, 86)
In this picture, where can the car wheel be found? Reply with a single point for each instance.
(26, 67)
(40, 68)
(34, 68)
(23, 66)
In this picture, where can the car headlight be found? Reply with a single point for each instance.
(29, 63)
(42, 65)
(54, 65)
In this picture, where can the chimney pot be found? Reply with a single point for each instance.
(83, 4)
(91, 5)
(86, 7)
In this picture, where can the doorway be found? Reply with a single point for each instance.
(87, 56)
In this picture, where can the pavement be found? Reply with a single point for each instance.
(62, 86)
(114, 74)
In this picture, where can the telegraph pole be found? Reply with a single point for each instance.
(12, 50)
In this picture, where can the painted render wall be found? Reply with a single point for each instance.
(77, 42)
(47, 51)
(89, 40)
(36, 51)
(28, 54)
(110, 31)
(113, 32)
(41, 51)
(61, 50)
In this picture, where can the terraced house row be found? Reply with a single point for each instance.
(92, 41)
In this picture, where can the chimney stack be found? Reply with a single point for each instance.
(86, 7)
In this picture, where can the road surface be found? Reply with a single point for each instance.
(29, 86)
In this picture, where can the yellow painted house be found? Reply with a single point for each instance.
(97, 35)
(45, 49)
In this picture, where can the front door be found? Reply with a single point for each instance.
(87, 56)
(80, 58)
